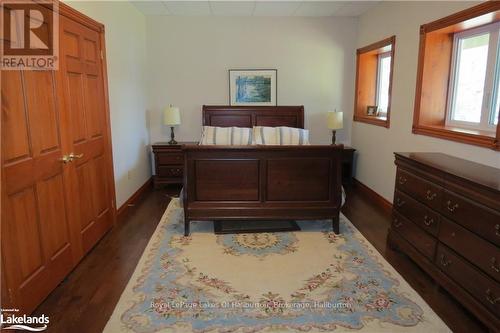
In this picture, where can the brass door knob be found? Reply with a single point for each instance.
(74, 156)
(65, 159)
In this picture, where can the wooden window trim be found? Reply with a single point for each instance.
(359, 105)
(431, 93)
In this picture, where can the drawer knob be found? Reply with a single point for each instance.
(452, 207)
(397, 223)
(428, 221)
(400, 202)
(445, 262)
(491, 298)
(494, 265)
(430, 196)
(402, 180)
(497, 230)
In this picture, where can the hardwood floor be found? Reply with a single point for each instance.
(86, 299)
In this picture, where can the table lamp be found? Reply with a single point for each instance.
(335, 122)
(171, 117)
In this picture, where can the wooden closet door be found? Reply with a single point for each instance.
(84, 101)
(36, 243)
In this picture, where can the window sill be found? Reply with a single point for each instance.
(473, 137)
(378, 121)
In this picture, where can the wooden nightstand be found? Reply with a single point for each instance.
(169, 163)
(347, 164)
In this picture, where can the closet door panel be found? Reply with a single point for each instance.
(82, 73)
(14, 123)
(37, 251)
(43, 114)
(23, 226)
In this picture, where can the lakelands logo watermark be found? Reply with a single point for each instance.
(30, 35)
(10, 321)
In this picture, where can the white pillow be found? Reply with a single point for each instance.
(226, 136)
(280, 135)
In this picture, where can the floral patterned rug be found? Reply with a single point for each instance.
(307, 281)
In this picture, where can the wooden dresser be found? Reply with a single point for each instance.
(169, 163)
(446, 217)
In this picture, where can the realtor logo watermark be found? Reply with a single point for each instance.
(30, 35)
(10, 320)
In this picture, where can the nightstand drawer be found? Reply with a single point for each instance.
(170, 158)
(173, 171)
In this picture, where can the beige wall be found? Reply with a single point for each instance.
(189, 58)
(126, 55)
(375, 145)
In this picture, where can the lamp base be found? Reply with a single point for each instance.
(333, 137)
(172, 140)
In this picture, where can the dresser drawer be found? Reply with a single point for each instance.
(413, 210)
(475, 249)
(484, 289)
(419, 188)
(170, 171)
(170, 158)
(422, 241)
(475, 217)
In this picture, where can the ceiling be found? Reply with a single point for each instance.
(254, 8)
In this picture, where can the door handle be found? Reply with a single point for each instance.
(65, 159)
(74, 156)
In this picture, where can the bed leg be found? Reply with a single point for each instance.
(186, 227)
(336, 224)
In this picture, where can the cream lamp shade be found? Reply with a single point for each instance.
(171, 116)
(335, 120)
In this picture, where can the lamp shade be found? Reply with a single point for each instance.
(335, 120)
(171, 116)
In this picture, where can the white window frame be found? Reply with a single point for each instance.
(381, 56)
(491, 84)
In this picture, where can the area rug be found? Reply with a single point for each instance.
(306, 281)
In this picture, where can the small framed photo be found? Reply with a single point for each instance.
(252, 87)
(372, 110)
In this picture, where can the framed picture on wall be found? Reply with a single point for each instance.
(253, 87)
(372, 110)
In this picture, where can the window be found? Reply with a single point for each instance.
(457, 96)
(383, 77)
(473, 101)
(374, 67)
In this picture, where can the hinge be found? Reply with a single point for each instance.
(102, 55)
(10, 294)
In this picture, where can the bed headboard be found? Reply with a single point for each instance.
(249, 116)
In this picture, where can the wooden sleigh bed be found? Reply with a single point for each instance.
(261, 182)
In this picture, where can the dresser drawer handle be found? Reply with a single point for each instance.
(491, 298)
(397, 223)
(494, 265)
(451, 207)
(428, 221)
(430, 196)
(445, 262)
(497, 230)
(400, 202)
(402, 180)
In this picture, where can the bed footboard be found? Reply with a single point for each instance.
(262, 183)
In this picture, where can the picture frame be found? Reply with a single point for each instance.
(372, 110)
(253, 87)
